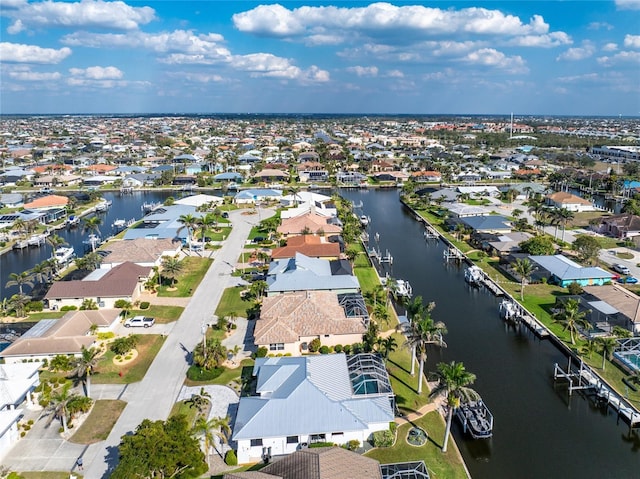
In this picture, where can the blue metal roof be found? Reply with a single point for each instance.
(565, 269)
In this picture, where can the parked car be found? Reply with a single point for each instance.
(620, 268)
(225, 214)
(628, 280)
(139, 322)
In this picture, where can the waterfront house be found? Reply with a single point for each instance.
(463, 210)
(47, 202)
(17, 384)
(141, 251)
(495, 224)
(269, 175)
(163, 222)
(504, 243)
(302, 273)
(316, 463)
(11, 200)
(257, 195)
(104, 286)
(289, 322)
(309, 223)
(427, 176)
(309, 245)
(562, 199)
(66, 336)
(304, 400)
(563, 271)
(613, 304)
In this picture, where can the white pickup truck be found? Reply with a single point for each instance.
(139, 322)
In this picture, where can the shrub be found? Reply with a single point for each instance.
(382, 438)
(321, 444)
(346, 348)
(145, 305)
(69, 308)
(262, 352)
(574, 288)
(105, 336)
(122, 346)
(230, 458)
(338, 348)
(34, 306)
(314, 345)
(120, 303)
(353, 444)
(324, 349)
(196, 373)
(393, 427)
(79, 404)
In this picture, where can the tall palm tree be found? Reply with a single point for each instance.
(189, 222)
(92, 225)
(607, 347)
(205, 222)
(381, 313)
(206, 431)
(422, 332)
(387, 346)
(453, 381)
(84, 365)
(524, 268)
(171, 268)
(415, 309)
(59, 405)
(564, 217)
(572, 318)
(41, 272)
(20, 279)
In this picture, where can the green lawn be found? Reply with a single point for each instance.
(101, 420)
(404, 385)
(163, 314)
(440, 465)
(193, 270)
(368, 279)
(45, 315)
(228, 377)
(232, 304)
(182, 407)
(109, 373)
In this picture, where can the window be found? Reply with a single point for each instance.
(326, 335)
(292, 439)
(276, 347)
(256, 442)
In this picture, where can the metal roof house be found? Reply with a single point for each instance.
(564, 271)
(302, 400)
(302, 273)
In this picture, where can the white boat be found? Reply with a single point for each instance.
(64, 254)
(37, 240)
(103, 205)
(92, 240)
(364, 220)
(473, 275)
(508, 310)
(118, 224)
(398, 287)
(72, 221)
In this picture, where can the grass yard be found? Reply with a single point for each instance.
(441, 465)
(163, 314)
(193, 270)
(45, 315)
(109, 373)
(49, 475)
(368, 279)
(101, 420)
(404, 385)
(182, 407)
(232, 304)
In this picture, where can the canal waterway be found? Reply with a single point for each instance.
(125, 207)
(539, 432)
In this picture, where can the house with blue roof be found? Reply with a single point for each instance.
(257, 195)
(303, 273)
(563, 271)
(229, 176)
(163, 223)
(303, 400)
(488, 224)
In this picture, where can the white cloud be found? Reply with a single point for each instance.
(84, 14)
(632, 41)
(379, 18)
(577, 53)
(34, 76)
(97, 73)
(610, 47)
(600, 26)
(20, 53)
(268, 65)
(395, 74)
(548, 40)
(197, 77)
(618, 58)
(628, 4)
(490, 57)
(364, 71)
(16, 27)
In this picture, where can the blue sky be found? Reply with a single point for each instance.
(529, 57)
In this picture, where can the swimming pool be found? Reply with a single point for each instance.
(631, 359)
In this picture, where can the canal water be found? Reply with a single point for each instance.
(539, 432)
(123, 207)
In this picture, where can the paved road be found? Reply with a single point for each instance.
(154, 396)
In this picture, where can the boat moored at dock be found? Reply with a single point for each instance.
(473, 275)
(64, 255)
(476, 419)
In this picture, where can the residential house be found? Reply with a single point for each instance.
(564, 271)
(104, 286)
(257, 195)
(11, 200)
(269, 175)
(504, 243)
(563, 199)
(141, 251)
(350, 178)
(303, 400)
(309, 223)
(163, 222)
(622, 226)
(487, 224)
(309, 245)
(427, 176)
(613, 304)
(66, 336)
(47, 202)
(289, 322)
(302, 273)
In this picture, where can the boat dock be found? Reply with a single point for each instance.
(583, 378)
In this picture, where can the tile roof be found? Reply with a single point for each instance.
(287, 317)
(119, 281)
(562, 197)
(139, 250)
(311, 221)
(309, 245)
(49, 201)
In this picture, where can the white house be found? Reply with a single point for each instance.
(303, 400)
(562, 199)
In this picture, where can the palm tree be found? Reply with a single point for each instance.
(607, 347)
(84, 366)
(59, 405)
(20, 279)
(92, 225)
(415, 308)
(207, 431)
(205, 223)
(381, 313)
(209, 355)
(524, 268)
(41, 272)
(572, 318)
(189, 222)
(171, 268)
(18, 302)
(200, 401)
(56, 241)
(589, 347)
(453, 381)
(422, 332)
(387, 346)
(565, 215)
